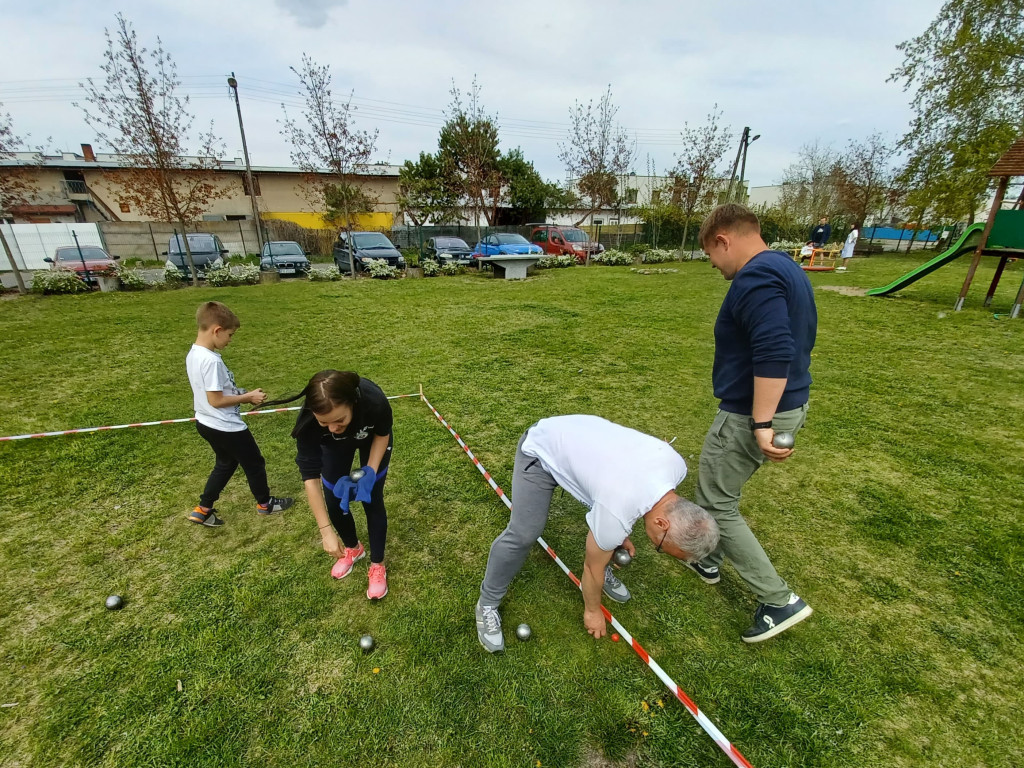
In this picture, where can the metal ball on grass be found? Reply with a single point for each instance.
(523, 632)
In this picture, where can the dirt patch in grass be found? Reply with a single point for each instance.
(845, 290)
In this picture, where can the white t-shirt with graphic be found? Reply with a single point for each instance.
(207, 373)
(619, 473)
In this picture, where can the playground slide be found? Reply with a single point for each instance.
(966, 243)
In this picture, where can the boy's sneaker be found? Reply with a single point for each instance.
(378, 581)
(275, 505)
(770, 620)
(207, 517)
(488, 628)
(707, 575)
(614, 588)
(343, 567)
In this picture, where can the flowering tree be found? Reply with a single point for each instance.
(135, 110)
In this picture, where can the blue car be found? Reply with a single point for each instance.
(503, 243)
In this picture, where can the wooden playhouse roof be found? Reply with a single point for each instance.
(1012, 161)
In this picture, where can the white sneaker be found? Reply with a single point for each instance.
(488, 628)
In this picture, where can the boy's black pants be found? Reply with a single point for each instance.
(232, 449)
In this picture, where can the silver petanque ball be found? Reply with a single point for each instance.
(357, 475)
(114, 603)
(783, 440)
(523, 631)
(366, 643)
(622, 557)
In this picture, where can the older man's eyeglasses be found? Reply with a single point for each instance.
(658, 549)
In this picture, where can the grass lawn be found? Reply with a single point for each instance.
(899, 520)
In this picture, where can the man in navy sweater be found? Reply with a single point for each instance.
(763, 340)
(821, 233)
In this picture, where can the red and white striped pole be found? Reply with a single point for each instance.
(709, 727)
(83, 430)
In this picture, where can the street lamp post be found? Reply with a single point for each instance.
(748, 140)
(233, 85)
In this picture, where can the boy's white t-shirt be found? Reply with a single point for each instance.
(619, 473)
(207, 373)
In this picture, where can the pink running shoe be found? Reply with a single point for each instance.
(343, 567)
(378, 581)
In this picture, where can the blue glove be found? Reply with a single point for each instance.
(364, 485)
(342, 491)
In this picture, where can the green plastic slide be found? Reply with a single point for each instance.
(966, 243)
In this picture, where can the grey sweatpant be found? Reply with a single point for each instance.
(532, 487)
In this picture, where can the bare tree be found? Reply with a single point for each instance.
(470, 157)
(16, 186)
(697, 166)
(809, 185)
(136, 111)
(865, 176)
(328, 148)
(597, 152)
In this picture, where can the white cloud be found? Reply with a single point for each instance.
(310, 13)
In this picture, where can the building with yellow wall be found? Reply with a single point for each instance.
(84, 187)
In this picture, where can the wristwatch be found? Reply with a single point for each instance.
(755, 425)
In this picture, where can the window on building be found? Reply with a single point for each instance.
(631, 195)
(236, 217)
(125, 208)
(255, 183)
(656, 196)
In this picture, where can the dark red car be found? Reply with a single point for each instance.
(89, 258)
(558, 240)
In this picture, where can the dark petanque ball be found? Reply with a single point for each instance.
(783, 440)
(622, 557)
(523, 632)
(366, 643)
(115, 603)
(357, 475)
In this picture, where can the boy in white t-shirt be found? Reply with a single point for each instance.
(621, 475)
(216, 400)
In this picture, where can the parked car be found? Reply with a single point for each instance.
(368, 245)
(558, 240)
(448, 250)
(285, 256)
(87, 258)
(207, 252)
(502, 243)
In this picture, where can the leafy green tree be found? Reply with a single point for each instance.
(469, 155)
(966, 71)
(526, 194)
(865, 176)
(423, 192)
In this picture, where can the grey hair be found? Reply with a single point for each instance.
(691, 528)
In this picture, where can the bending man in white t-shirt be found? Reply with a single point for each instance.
(621, 475)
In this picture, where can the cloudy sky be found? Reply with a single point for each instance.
(796, 71)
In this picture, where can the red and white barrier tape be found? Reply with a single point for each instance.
(709, 727)
(83, 430)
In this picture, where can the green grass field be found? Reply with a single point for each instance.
(898, 519)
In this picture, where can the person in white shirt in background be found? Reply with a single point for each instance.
(621, 475)
(848, 246)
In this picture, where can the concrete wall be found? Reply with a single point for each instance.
(147, 240)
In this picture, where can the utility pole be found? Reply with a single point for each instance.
(233, 85)
(736, 163)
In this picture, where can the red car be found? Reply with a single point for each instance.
(558, 240)
(89, 258)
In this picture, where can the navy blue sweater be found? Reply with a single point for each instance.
(766, 327)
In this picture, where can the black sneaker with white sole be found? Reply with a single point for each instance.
(707, 575)
(770, 620)
(275, 505)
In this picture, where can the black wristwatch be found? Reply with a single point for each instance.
(754, 425)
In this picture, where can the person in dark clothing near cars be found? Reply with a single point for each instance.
(763, 339)
(344, 413)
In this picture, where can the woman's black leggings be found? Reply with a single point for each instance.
(337, 464)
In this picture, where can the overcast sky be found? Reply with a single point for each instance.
(794, 71)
